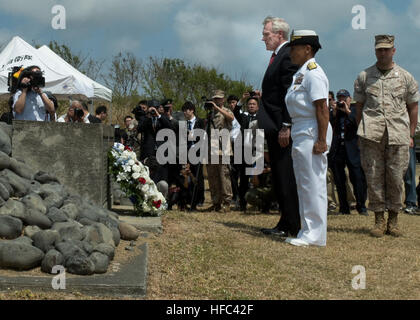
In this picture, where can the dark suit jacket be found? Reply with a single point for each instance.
(350, 136)
(277, 79)
(149, 144)
(93, 119)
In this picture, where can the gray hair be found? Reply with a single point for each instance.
(278, 25)
(74, 103)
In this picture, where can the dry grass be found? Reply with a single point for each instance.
(224, 256)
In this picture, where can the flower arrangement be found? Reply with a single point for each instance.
(134, 180)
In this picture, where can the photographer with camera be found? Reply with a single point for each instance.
(218, 174)
(149, 125)
(29, 102)
(345, 152)
(75, 113)
(247, 120)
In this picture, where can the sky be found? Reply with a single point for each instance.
(225, 34)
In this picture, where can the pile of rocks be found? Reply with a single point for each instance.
(44, 224)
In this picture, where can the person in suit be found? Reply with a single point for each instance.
(246, 120)
(148, 126)
(274, 118)
(88, 116)
(194, 123)
(345, 152)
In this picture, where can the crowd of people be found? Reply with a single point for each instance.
(311, 137)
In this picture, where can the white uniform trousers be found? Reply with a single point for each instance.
(311, 179)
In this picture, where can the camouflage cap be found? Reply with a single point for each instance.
(218, 94)
(384, 41)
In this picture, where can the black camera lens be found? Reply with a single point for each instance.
(78, 113)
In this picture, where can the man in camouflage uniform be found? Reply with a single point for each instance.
(387, 105)
(218, 174)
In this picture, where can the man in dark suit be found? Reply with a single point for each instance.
(274, 118)
(246, 120)
(345, 152)
(149, 125)
(91, 118)
(194, 123)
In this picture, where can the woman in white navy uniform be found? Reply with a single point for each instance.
(307, 103)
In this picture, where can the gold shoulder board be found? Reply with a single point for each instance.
(312, 65)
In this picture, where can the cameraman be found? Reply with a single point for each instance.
(345, 152)
(29, 102)
(218, 174)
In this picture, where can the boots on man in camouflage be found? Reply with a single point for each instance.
(392, 225)
(380, 227)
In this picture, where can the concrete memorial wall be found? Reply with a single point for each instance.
(76, 153)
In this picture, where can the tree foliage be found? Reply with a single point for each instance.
(124, 75)
(174, 78)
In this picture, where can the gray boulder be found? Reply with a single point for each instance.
(20, 185)
(89, 213)
(30, 231)
(4, 192)
(43, 177)
(105, 234)
(45, 240)
(35, 218)
(70, 210)
(24, 240)
(34, 187)
(51, 259)
(68, 230)
(80, 264)
(56, 215)
(5, 142)
(21, 169)
(101, 262)
(10, 227)
(86, 222)
(49, 188)
(5, 183)
(128, 232)
(4, 161)
(13, 208)
(91, 235)
(109, 222)
(106, 249)
(54, 200)
(19, 256)
(68, 248)
(116, 236)
(34, 201)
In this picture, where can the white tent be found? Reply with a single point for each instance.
(61, 79)
(94, 90)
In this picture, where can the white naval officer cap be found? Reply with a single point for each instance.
(299, 37)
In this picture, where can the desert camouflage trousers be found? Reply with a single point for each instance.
(220, 186)
(384, 166)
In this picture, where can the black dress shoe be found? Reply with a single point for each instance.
(275, 231)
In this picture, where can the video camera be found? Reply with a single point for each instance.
(18, 73)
